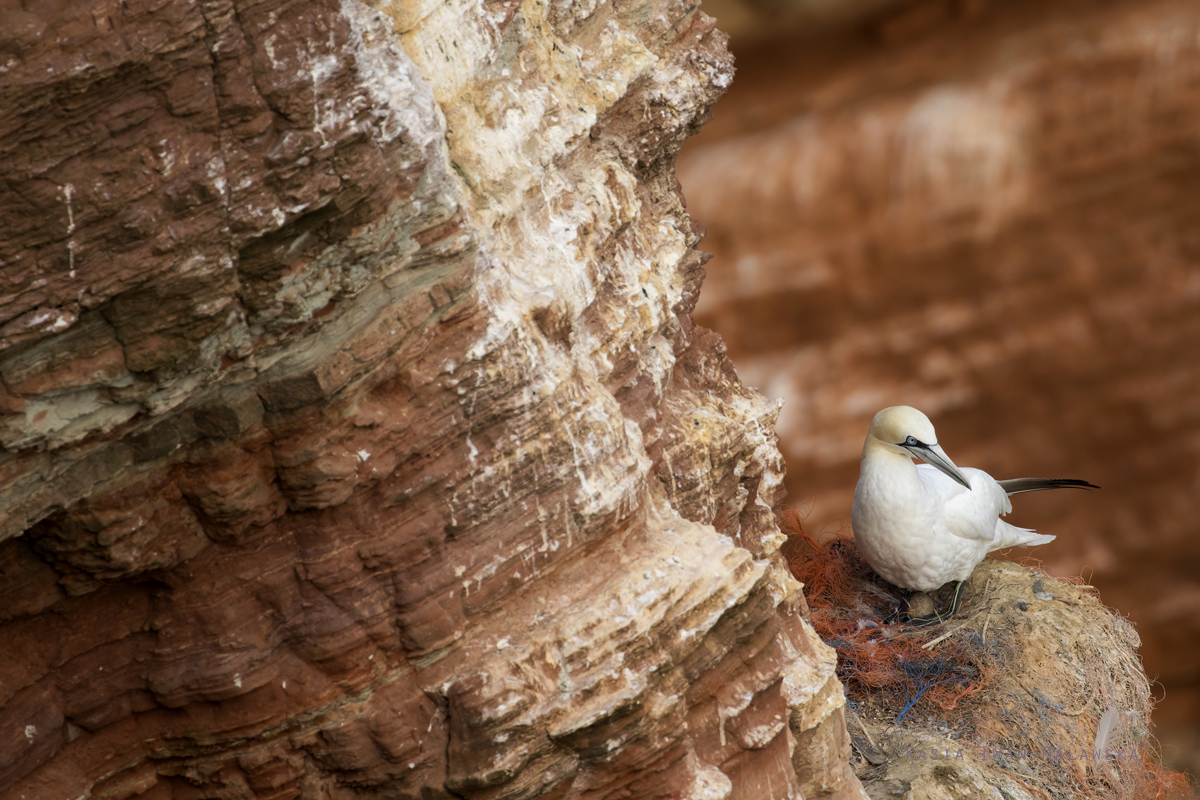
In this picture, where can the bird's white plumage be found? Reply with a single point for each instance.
(917, 525)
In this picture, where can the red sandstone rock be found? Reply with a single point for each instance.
(358, 440)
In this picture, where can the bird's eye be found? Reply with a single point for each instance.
(911, 441)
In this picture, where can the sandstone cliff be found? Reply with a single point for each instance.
(357, 437)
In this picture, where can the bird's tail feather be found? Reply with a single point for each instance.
(1012, 536)
(1018, 485)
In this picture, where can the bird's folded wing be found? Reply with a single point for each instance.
(966, 514)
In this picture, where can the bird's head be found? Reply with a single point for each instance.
(906, 431)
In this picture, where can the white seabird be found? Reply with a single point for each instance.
(921, 526)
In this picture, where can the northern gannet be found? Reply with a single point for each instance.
(921, 526)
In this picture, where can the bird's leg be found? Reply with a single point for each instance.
(939, 616)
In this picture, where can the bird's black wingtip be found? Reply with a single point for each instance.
(1019, 485)
(1073, 483)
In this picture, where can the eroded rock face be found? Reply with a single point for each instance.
(358, 440)
(990, 215)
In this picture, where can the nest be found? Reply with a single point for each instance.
(1034, 688)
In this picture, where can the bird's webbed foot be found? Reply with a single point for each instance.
(933, 617)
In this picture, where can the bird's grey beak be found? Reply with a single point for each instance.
(934, 456)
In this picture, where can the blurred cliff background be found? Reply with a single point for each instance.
(990, 211)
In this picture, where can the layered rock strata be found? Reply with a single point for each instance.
(357, 438)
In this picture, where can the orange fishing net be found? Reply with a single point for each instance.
(886, 665)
